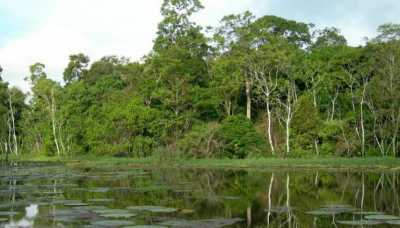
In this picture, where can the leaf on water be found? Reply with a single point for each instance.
(154, 209)
(280, 210)
(368, 213)
(110, 211)
(101, 200)
(146, 226)
(219, 222)
(360, 222)
(76, 204)
(8, 213)
(382, 217)
(112, 223)
(98, 190)
(118, 215)
(393, 222)
(332, 210)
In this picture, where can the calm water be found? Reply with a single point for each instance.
(51, 195)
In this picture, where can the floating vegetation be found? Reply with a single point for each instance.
(146, 226)
(368, 213)
(153, 209)
(280, 210)
(98, 190)
(332, 210)
(360, 222)
(109, 211)
(393, 222)
(72, 215)
(215, 223)
(8, 213)
(101, 200)
(112, 223)
(118, 215)
(75, 204)
(382, 217)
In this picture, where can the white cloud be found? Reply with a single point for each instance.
(96, 28)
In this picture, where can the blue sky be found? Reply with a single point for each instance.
(50, 30)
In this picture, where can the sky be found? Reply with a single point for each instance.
(48, 31)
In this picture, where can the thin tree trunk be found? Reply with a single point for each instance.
(334, 104)
(288, 120)
(271, 143)
(248, 97)
(362, 122)
(13, 125)
(53, 120)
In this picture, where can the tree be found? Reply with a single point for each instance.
(329, 37)
(45, 108)
(76, 67)
(388, 32)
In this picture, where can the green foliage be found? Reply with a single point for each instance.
(188, 94)
(306, 125)
(240, 137)
(202, 141)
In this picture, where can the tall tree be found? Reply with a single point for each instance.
(76, 68)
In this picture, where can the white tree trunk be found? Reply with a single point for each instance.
(271, 143)
(288, 120)
(13, 125)
(248, 97)
(333, 101)
(53, 121)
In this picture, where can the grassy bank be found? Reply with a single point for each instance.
(259, 163)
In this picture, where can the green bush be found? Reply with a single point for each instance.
(201, 141)
(239, 137)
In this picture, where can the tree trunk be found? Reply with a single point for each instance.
(13, 125)
(53, 121)
(288, 120)
(248, 97)
(334, 104)
(271, 143)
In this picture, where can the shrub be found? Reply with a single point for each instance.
(201, 141)
(239, 137)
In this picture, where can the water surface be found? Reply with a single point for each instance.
(53, 195)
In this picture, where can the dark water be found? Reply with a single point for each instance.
(52, 195)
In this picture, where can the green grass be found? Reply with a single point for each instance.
(256, 163)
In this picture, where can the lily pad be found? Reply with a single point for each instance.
(360, 222)
(110, 211)
(118, 215)
(279, 210)
(382, 217)
(331, 210)
(368, 213)
(112, 223)
(8, 213)
(146, 226)
(215, 223)
(100, 200)
(154, 209)
(77, 204)
(393, 222)
(98, 190)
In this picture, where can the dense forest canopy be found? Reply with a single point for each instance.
(252, 86)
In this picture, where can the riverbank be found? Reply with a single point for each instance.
(388, 163)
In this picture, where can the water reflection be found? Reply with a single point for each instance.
(196, 198)
(27, 221)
